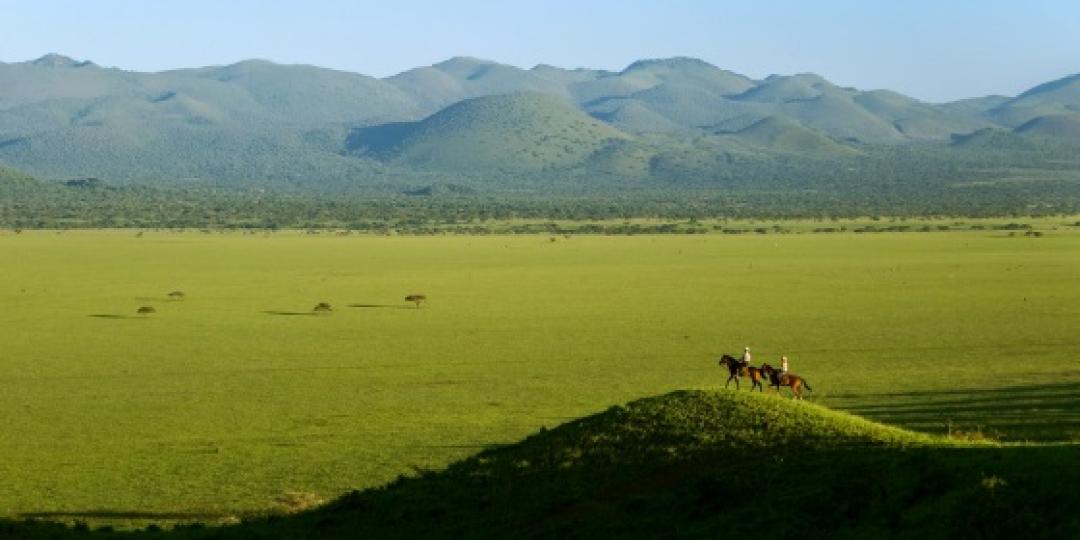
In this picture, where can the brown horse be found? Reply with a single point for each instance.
(788, 379)
(738, 368)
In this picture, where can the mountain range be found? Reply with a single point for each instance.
(657, 122)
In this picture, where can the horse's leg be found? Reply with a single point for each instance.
(728, 383)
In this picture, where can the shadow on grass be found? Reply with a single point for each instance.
(379, 306)
(293, 313)
(1042, 412)
(118, 515)
(677, 465)
(117, 317)
(517, 491)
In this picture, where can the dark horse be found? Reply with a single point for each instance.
(738, 368)
(789, 379)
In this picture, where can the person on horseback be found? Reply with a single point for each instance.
(745, 360)
(783, 365)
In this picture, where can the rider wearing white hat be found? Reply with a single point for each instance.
(783, 365)
(746, 356)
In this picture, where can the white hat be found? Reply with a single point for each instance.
(746, 348)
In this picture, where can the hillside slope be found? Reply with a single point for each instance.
(1055, 97)
(1058, 126)
(698, 464)
(786, 135)
(13, 182)
(309, 129)
(516, 132)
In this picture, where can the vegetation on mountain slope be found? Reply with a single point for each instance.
(497, 135)
(296, 128)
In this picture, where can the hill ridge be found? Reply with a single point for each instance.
(260, 123)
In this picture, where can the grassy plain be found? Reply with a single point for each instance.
(237, 397)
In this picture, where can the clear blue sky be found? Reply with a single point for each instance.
(934, 50)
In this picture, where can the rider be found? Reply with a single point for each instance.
(783, 366)
(746, 356)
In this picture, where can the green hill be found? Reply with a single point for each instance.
(453, 80)
(1066, 126)
(702, 464)
(919, 120)
(634, 117)
(836, 113)
(779, 133)
(12, 180)
(780, 89)
(682, 121)
(518, 132)
(11, 176)
(1055, 97)
(993, 139)
(649, 74)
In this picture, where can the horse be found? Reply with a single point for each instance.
(737, 368)
(788, 379)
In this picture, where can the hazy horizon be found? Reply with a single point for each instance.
(928, 51)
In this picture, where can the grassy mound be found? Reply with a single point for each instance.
(787, 135)
(703, 464)
(517, 132)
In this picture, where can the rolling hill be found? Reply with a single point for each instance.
(695, 464)
(782, 134)
(525, 132)
(677, 121)
(12, 181)
(1055, 97)
(1059, 126)
(11, 176)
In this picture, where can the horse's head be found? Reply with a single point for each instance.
(767, 369)
(727, 360)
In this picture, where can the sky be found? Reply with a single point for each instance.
(937, 50)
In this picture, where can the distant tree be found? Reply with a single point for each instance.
(146, 310)
(177, 295)
(416, 299)
(322, 307)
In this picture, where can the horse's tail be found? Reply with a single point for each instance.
(807, 385)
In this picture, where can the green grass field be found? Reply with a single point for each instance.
(237, 398)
